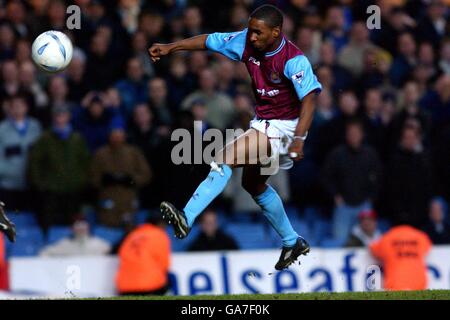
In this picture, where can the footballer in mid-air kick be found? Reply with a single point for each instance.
(285, 88)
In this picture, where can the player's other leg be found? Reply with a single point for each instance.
(239, 152)
(272, 206)
(6, 226)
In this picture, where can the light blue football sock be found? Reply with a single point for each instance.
(207, 191)
(273, 209)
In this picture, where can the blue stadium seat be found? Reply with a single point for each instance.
(311, 215)
(332, 243)
(384, 225)
(180, 245)
(299, 226)
(112, 235)
(249, 235)
(57, 233)
(321, 229)
(141, 217)
(23, 219)
(28, 242)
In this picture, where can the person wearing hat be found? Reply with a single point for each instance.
(118, 171)
(365, 231)
(58, 166)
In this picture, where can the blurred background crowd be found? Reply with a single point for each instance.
(90, 147)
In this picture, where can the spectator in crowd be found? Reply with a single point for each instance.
(433, 26)
(405, 60)
(31, 86)
(366, 231)
(310, 45)
(332, 133)
(402, 251)
(394, 21)
(58, 92)
(408, 180)
(7, 42)
(375, 130)
(94, 118)
(220, 107)
(180, 82)
(101, 68)
(118, 171)
(351, 174)
(17, 134)
(438, 227)
(410, 111)
(342, 77)
(23, 51)
(351, 56)
(10, 85)
(193, 20)
(139, 47)
(444, 61)
(133, 89)
(334, 30)
(211, 236)
(80, 243)
(159, 102)
(150, 139)
(375, 73)
(58, 165)
(76, 79)
(144, 260)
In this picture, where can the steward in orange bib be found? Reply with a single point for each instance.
(144, 260)
(403, 250)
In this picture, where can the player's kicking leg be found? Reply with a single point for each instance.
(6, 226)
(241, 151)
(272, 206)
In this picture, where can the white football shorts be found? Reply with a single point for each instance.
(281, 134)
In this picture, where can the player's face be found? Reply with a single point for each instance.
(260, 35)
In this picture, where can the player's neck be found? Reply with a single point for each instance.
(275, 45)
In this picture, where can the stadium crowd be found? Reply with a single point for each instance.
(96, 138)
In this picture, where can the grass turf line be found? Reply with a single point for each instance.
(380, 295)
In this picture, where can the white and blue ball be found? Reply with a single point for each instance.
(52, 51)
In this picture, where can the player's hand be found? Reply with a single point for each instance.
(157, 50)
(296, 149)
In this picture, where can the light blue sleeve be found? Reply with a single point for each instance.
(299, 70)
(231, 45)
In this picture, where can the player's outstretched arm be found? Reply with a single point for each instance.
(157, 50)
(304, 123)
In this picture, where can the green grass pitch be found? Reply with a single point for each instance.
(379, 295)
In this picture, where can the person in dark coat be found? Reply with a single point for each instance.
(212, 237)
(408, 185)
(351, 175)
(438, 227)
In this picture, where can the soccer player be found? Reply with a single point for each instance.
(285, 88)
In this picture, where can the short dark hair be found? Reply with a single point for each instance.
(270, 14)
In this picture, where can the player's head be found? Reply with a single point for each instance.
(264, 27)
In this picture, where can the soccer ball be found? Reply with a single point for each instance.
(52, 51)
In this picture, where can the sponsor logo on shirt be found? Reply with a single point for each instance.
(253, 60)
(298, 77)
(271, 93)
